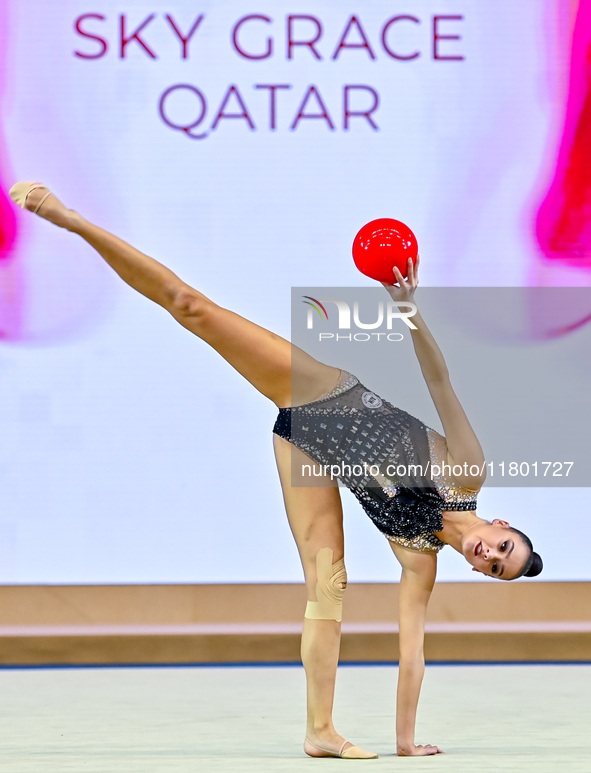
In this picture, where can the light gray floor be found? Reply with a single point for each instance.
(175, 720)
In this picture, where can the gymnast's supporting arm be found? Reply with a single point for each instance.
(418, 577)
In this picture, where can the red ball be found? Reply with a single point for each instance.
(383, 244)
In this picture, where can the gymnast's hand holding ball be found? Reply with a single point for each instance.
(405, 289)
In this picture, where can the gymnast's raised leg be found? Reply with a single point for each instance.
(287, 376)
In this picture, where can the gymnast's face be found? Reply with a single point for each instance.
(495, 550)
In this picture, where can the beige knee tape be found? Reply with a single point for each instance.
(330, 588)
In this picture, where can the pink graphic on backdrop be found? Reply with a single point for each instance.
(10, 270)
(10, 273)
(7, 219)
(563, 226)
(49, 290)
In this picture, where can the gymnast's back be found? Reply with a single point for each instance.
(392, 462)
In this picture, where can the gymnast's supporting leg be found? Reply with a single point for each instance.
(316, 520)
(285, 375)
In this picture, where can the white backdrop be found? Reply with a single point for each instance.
(129, 451)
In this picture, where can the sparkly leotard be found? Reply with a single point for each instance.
(391, 461)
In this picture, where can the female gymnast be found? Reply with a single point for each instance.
(328, 417)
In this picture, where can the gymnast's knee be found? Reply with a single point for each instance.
(187, 302)
(331, 581)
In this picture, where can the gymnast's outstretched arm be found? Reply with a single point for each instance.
(463, 446)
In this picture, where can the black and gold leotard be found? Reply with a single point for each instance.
(392, 462)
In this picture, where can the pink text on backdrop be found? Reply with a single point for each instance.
(302, 31)
(234, 106)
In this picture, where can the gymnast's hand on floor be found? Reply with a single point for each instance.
(418, 751)
(405, 289)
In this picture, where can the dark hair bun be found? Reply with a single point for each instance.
(536, 566)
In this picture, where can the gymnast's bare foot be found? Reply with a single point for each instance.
(37, 198)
